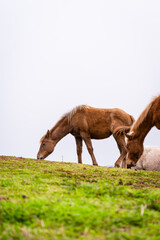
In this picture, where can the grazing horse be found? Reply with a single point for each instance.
(86, 123)
(137, 132)
(150, 159)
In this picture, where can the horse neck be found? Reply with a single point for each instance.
(144, 132)
(141, 129)
(60, 130)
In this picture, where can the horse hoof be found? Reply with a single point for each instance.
(117, 166)
(95, 164)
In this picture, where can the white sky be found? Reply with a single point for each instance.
(55, 55)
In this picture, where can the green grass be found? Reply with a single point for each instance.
(62, 201)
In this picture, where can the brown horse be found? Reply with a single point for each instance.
(86, 123)
(149, 117)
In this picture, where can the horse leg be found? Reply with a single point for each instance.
(88, 143)
(79, 148)
(124, 163)
(122, 148)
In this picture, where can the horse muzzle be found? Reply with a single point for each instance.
(39, 156)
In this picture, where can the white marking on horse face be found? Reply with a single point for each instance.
(130, 133)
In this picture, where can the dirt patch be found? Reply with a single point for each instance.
(11, 158)
(142, 184)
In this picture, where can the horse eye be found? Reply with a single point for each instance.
(43, 144)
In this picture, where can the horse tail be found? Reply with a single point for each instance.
(122, 130)
(132, 120)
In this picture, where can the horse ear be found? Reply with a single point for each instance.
(48, 134)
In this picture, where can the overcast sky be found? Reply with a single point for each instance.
(55, 55)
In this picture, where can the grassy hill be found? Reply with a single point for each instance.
(51, 200)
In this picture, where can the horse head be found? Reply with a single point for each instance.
(134, 148)
(46, 147)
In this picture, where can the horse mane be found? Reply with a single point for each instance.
(143, 116)
(70, 114)
(67, 116)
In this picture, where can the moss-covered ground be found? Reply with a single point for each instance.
(62, 201)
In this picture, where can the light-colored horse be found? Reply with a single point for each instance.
(150, 159)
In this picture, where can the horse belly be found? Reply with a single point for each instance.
(100, 134)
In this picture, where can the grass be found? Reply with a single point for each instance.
(62, 201)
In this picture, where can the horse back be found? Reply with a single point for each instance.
(99, 123)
